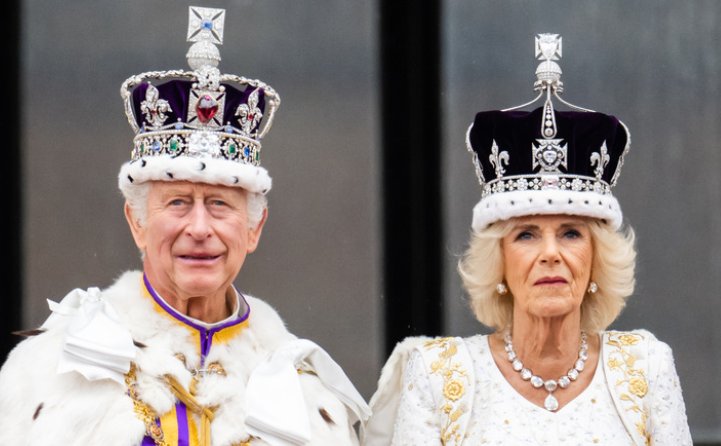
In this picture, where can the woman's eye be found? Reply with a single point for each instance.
(524, 235)
(572, 233)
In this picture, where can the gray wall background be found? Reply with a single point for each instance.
(653, 63)
(317, 261)
(656, 65)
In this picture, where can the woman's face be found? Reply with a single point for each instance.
(547, 262)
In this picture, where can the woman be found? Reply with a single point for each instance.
(549, 268)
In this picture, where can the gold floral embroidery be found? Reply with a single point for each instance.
(638, 386)
(453, 376)
(453, 389)
(628, 339)
(633, 385)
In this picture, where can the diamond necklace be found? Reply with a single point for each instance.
(551, 403)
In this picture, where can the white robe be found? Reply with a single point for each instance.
(39, 406)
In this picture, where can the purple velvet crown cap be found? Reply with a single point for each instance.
(178, 93)
(517, 131)
(522, 172)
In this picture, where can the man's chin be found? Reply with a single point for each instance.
(200, 284)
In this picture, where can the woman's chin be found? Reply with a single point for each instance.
(554, 307)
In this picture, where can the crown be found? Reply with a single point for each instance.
(546, 161)
(198, 125)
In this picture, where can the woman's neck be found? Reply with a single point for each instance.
(548, 346)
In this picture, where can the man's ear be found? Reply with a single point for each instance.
(136, 228)
(254, 233)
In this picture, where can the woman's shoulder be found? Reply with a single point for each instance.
(638, 339)
(651, 355)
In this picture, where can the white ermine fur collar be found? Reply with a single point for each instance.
(40, 407)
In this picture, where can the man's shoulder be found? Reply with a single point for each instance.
(266, 323)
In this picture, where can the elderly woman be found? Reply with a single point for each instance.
(175, 355)
(549, 267)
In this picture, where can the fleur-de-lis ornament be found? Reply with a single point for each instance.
(249, 114)
(498, 159)
(600, 160)
(154, 108)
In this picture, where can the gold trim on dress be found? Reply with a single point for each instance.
(455, 382)
(632, 384)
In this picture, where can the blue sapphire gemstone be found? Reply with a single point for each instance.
(246, 151)
(157, 146)
(207, 24)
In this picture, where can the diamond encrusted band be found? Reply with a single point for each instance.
(576, 183)
(214, 144)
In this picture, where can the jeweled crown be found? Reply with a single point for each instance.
(200, 114)
(546, 161)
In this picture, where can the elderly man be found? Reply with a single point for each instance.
(175, 355)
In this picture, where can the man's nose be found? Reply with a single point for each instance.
(199, 226)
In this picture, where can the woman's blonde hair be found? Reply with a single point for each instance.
(614, 263)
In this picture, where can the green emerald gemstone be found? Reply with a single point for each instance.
(173, 144)
(232, 148)
(257, 155)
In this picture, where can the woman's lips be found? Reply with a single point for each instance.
(551, 281)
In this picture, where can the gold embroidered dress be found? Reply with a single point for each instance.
(433, 404)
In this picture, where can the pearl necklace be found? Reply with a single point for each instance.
(551, 403)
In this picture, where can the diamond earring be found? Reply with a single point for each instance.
(502, 289)
(593, 287)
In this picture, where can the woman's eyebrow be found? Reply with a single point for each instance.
(525, 227)
(574, 223)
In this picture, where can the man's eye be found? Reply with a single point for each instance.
(218, 203)
(177, 202)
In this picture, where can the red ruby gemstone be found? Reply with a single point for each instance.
(206, 108)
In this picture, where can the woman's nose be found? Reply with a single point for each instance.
(550, 251)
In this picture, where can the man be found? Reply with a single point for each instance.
(175, 355)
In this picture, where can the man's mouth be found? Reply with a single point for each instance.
(198, 257)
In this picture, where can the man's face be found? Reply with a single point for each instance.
(195, 238)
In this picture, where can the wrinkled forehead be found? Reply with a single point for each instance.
(164, 188)
(551, 220)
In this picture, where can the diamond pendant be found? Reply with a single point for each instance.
(551, 403)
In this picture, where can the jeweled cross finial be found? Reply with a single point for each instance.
(206, 24)
(205, 29)
(548, 46)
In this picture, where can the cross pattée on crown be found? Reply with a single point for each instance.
(206, 24)
(548, 46)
